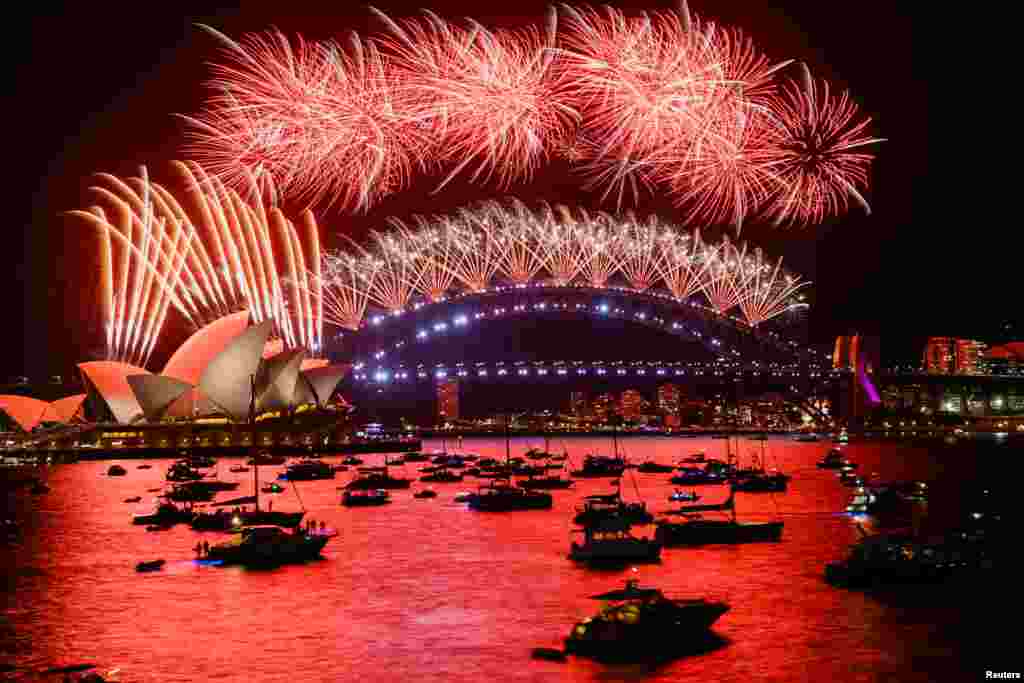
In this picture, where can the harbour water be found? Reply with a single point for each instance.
(428, 590)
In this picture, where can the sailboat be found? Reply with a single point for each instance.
(602, 465)
(373, 478)
(757, 479)
(221, 520)
(547, 481)
(699, 531)
(501, 496)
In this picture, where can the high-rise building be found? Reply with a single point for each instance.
(948, 356)
(668, 399)
(970, 357)
(447, 401)
(631, 404)
(856, 351)
(578, 404)
(603, 406)
(939, 356)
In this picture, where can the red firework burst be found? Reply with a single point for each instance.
(818, 153)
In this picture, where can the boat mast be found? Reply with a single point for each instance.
(252, 442)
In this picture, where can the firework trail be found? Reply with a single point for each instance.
(495, 244)
(214, 258)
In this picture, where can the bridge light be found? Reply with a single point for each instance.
(481, 373)
(622, 371)
(376, 320)
(502, 371)
(581, 371)
(421, 374)
(422, 334)
(542, 371)
(460, 320)
(440, 326)
(601, 371)
(603, 308)
(463, 373)
(441, 373)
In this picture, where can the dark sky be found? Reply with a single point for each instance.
(96, 86)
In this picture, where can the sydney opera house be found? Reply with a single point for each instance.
(225, 386)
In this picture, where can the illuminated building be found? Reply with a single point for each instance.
(578, 404)
(447, 401)
(970, 357)
(668, 399)
(1006, 359)
(631, 404)
(603, 406)
(939, 356)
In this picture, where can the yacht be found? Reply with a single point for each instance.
(269, 545)
(601, 466)
(699, 531)
(611, 506)
(371, 478)
(359, 498)
(642, 622)
(443, 476)
(266, 459)
(609, 541)
(651, 467)
(307, 470)
(501, 496)
(833, 460)
(116, 471)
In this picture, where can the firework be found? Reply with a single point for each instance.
(324, 124)
(819, 156)
(497, 244)
(490, 96)
(214, 259)
(636, 105)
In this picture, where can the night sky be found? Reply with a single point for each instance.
(96, 86)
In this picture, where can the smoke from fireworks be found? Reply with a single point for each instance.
(218, 255)
(663, 100)
(493, 244)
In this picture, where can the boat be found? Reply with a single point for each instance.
(690, 476)
(307, 470)
(158, 527)
(556, 482)
(415, 456)
(719, 436)
(238, 468)
(266, 459)
(463, 496)
(198, 460)
(600, 466)
(165, 514)
(500, 496)
(608, 541)
(371, 478)
(39, 488)
(442, 476)
(340, 468)
(684, 496)
(833, 460)
(269, 545)
(352, 460)
(181, 471)
(144, 467)
(151, 566)
(651, 467)
(241, 517)
(695, 459)
(548, 481)
(361, 497)
(806, 438)
(902, 557)
(641, 622)
(133, 499)
(597, 508)
(699, 531)
(116, 471)
(425, 493)
(762, 482)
